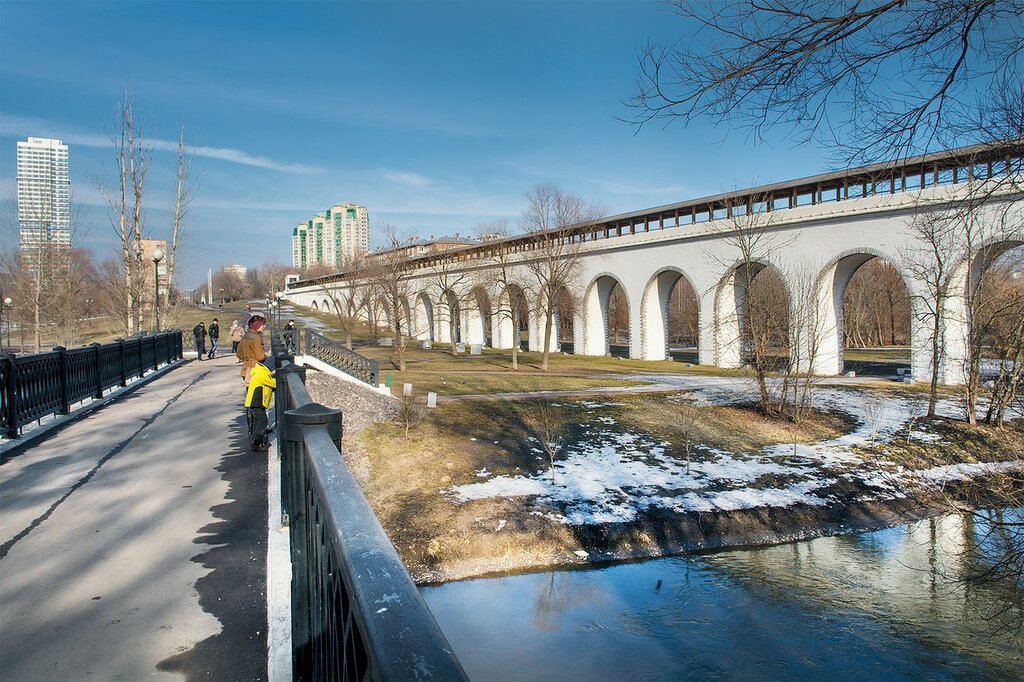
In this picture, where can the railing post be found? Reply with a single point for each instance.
(11, 389)
(295, 422)
(62, 355)
(122, 353)
(98, 351)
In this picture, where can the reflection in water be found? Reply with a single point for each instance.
(883, 605)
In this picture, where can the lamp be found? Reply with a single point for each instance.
(158, 255)
(7, 304)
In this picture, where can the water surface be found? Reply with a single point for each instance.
(882, 605)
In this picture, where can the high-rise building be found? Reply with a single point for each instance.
(44, 200)
(331, 238)
(149, 247)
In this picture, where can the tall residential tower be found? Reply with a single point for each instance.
(331, 238)
(44, 201)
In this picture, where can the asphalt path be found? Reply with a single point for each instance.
(133, 541)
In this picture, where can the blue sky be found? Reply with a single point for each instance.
(436, 116)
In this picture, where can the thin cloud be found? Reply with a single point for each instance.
(404, 178)
(20, 126)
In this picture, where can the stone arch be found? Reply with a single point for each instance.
(423, 317)
(563, 331)
(513, 311)
(826, 357)
(731, 299)
(595, 312)
(315, 306)
(965, 280)
(448, 319)
(326, 305)
(654, 311)
(478, 317)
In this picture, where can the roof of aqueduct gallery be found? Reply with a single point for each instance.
(979, 161)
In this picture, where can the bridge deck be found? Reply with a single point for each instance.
(133, 541)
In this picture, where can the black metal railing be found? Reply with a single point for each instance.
(284, 341)
(338, 356)
(35, 386)
(356, 613)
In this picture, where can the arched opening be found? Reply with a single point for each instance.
(326, 305)
(875, 319)
(512, 319)
(670, 318)
(478, 317)
(617, 317)
(981, 313)
(315, 306)
(450, 331)
(765, 326)
(604, 319)
(423, 319)
(752, 318)
(565, 310)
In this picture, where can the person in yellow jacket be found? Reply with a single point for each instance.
(257, 399)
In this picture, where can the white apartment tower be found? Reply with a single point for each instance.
(44, 201)
(331, 238)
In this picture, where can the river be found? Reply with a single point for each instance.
(881, 605)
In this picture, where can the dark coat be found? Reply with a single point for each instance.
(214, 330)
(200, 332)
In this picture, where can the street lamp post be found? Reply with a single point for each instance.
(158, 255)
(7, 304)
(278, 296)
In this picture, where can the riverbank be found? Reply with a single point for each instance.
(489, 487)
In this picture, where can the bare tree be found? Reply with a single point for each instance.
(507, 281)
(185, 189)
(931, 263)
(451, 283)
(124, 194)
(876, 81)
(755, 305)
(391, 280)
(551, 217)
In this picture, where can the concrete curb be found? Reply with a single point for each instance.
(15, 447)
(279, 579)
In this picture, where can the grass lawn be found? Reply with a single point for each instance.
(485, 383)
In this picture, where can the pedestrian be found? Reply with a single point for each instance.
(257, 400)
(214, 337)
(199, 331)
(236, 336)
(289, 337)
(250, 348)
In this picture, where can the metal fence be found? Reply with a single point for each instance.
(356, 613)
(338, 356)
(35, 386)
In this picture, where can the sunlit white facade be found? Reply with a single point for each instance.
(331, 238)
(44, 201)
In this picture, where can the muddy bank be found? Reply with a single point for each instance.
(663, 533)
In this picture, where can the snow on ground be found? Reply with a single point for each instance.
(617, 473)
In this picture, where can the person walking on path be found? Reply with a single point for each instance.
(199, 331)
(214, 337)
(257, 400)
(289, 337)
(250, 348)
(236, 336)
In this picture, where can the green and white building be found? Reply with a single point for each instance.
(331, 238)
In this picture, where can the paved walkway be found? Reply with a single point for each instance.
(133, 541)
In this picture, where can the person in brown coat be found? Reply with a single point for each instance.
(250, 348)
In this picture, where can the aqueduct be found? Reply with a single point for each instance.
(813, 234)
